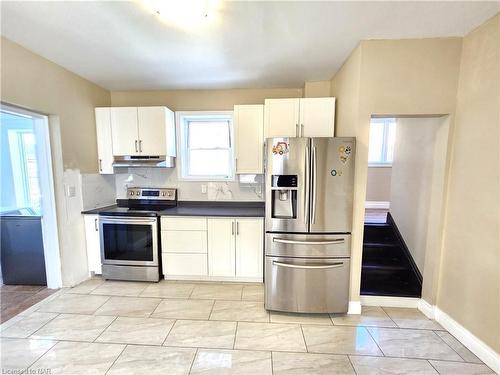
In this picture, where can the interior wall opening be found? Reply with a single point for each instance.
(404, 204)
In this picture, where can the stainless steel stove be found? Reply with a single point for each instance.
(130, 241)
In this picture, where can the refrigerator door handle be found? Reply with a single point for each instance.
(313, 188)
(306, 198)
(319, 266)
(327, 242)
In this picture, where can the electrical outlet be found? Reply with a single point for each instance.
(70, 191)
(203, 189)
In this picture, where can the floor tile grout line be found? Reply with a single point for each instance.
(211, 309)
(481, 362)
(352, 365)
(304, 338)
(168, 333)
(193, 360)
(375, 341)
(49, 349)
(109, 325)
(442, 340)
(58, 314)
(116, 359)
(235, 333)
(272, 363)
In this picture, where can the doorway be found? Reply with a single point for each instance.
(405, 193)
(29, 261)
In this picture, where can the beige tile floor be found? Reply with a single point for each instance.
(218, 328)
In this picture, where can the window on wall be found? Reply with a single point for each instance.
(206, 146)
(382, 137)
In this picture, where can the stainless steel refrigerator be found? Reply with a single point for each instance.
(309, 199)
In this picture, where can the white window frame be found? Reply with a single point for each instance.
(386, 121)
(182, 119)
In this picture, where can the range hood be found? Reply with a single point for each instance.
(144, 161)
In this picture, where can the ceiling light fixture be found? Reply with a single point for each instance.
(183, 13)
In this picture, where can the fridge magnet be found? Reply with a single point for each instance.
(280, 148)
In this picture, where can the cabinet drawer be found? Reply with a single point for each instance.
(179, 241)
(184, 264)
(183, 223)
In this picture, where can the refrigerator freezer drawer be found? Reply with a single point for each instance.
(308, 245)
(307, 285)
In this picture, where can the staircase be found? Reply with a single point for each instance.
(387, 266)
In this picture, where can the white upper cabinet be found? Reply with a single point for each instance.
(104, 140)
(281, 117)
(143, 131)
(124, 130)
(156, 131)
(299, 117)
(249, 138)
(317, 117)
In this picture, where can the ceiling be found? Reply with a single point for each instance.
(121, 45)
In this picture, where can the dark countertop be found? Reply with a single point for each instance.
(95, 211)
(200, 208)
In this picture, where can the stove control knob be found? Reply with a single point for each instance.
(163, 194)
(131, 193)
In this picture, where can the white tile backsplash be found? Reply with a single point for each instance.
(98, 190)
(187, 190)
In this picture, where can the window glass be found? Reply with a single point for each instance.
(206, 152)
(382, 138)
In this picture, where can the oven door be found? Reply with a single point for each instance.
(129, 240)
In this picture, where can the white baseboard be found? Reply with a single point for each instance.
(389, 301)
(380, 205)
(354, 307)
(427, 309)
(484, 352)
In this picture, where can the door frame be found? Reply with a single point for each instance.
(46, 178)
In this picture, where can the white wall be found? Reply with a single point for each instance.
(378, 185)
(417, 174)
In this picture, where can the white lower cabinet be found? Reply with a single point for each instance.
(249, 247)
(221, 247)
(93, 243)
(212, 248)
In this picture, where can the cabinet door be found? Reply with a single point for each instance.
(317, 117)
(124, 131)
(93, 243)
(104, 140)
(249, 135)
(152, 130)
(249, 247)
(281, 117)
(221, 256)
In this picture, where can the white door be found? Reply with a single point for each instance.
(104, 140)
(93, 243)
(249, 135)
(124, 131)
(317, 117)
(249, 247)
(221, 242)
(152, 130)
(281, 117)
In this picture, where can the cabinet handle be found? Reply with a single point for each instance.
(301, 130)
(237, 229)
(236, 165)
(100, 165)
(96, 226)
(136, 150)
(140, 145)
(296, 130)
(232, 228)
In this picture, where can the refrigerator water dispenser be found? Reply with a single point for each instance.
(284, 196)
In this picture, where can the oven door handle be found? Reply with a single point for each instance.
(310, 267)
(127, 220)
(327, 242)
